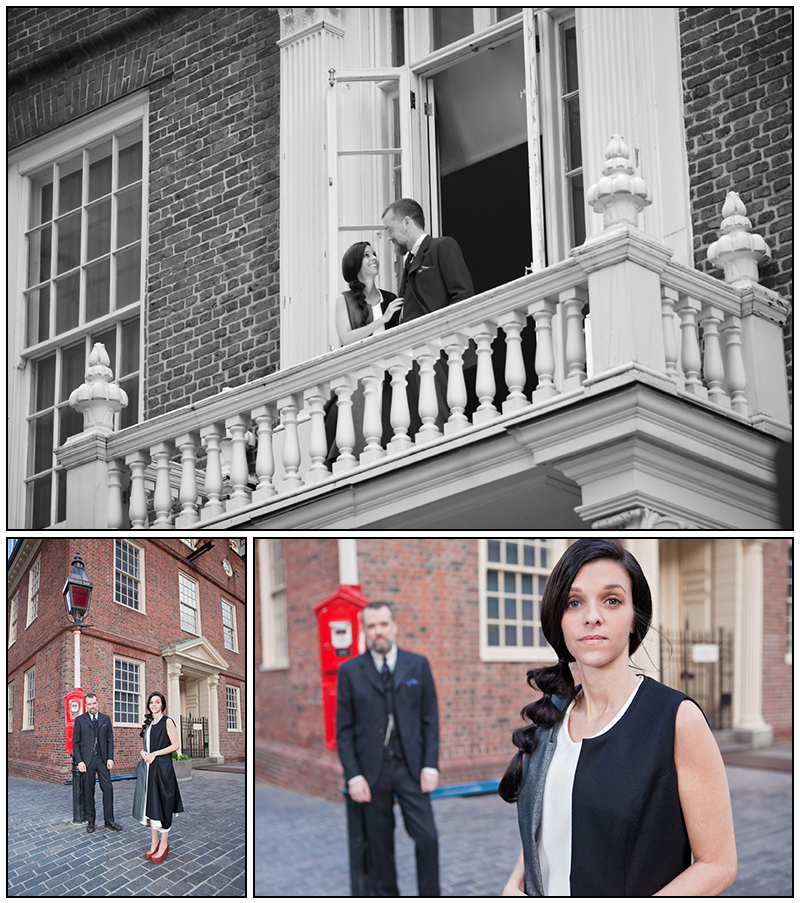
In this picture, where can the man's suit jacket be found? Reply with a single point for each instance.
(361, 715)
(83, 738)
(437, 277)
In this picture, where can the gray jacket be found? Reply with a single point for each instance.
(529, 804)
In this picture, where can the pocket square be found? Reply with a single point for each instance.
(412, 683)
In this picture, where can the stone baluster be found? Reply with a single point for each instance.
(138, 461)
(212, 436)
(264, 417)
(713, 367)
(399, 416)
(669, 298)
(512, 324)
(739, 251)
(543, 310)
(455, 345)
(187, 444)
(619, 195)
(116, 514)
(574, 300)
(237, 426)
(691, 362)
(426, 356)
(344, 386)
(99, 398)
(485, 388)
(288, 407)
(736, 378)
(161, 453)
(315, 400)
(372, 381)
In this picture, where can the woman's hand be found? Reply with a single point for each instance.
(143, 754)
(515, 887)
(511, 890)
(392, 308)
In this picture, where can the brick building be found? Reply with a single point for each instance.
(723, 605)
(183, 181)
(165, 615)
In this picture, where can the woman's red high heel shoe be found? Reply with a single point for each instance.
(162, 857)
(149, 854)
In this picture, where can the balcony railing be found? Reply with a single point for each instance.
(618, 309)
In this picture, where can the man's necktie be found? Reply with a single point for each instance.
(404, 277)
(386, 674)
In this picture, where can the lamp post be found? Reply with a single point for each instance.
(77, 595)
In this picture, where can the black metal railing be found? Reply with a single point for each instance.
(194, 737)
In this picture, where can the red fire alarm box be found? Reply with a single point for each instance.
(340, 638)
(74, 705)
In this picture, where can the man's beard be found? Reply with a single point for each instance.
(381, 646)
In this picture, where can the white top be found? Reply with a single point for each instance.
(554, 839)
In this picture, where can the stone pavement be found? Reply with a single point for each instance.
(301, 843)
(50, 856)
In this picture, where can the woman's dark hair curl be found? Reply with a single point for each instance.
(352, 261)
(556, 680)
(148, 716)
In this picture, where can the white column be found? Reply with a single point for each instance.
(213, 718)
(646, 551)
(174, 696)
(77, 661)
(348, 562)
(310, 45)
(749, 657)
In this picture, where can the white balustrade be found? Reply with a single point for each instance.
(264, 417)
(315, 401)
(455, 345)
(484, 334)
(344, 387)
(399, 416)
(288, 408)
(188, 443)
(512, 324)
(238, 426)
(426, 357)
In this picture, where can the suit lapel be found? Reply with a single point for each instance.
(416, 263)
(401, 666)
(370, 671)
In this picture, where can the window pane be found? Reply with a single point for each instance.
(39, 315)
(511, 635)
(67, 302)
(578, 211)
(129, 275)
(527, 636)
(39, 255)
(70, 423)
(506, 12)
(492, 607)
(544, 553)
(69, 242)
(510, 609)
(129, 216)
(98, 289)
(491, 581)
(99, 229)
(130, 164)
(511, 553)
(493, 635)
(130, 415)
(570, 60)
(61, 495)
(73, 369)
(527, 584)
(40, 502)
(42, 443)
(573, 117)
(398, 36)
(542, 585)
(450, 23)
(100, 171)
(527, 609)
(108, 340)
(70, 186)
(493, 550)
(129, 357)
(510, 582)
(42, 200)
(530, 556)
(45, 383)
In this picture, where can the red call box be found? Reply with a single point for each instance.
(340, 638)
(74, 705)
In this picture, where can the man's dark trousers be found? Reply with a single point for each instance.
(99, 767)
(395, 779)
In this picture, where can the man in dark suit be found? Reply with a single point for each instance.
(93, 753)
(387, 733)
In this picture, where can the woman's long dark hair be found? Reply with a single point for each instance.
(352, 261)
(556, 680)
(148, 716)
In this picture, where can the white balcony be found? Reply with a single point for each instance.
(659, 399)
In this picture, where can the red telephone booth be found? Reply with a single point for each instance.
(340, 638)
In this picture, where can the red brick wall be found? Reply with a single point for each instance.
(777, 677)
(117, 630)
(212, 75)
(738, 86)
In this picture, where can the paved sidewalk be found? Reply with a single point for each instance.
(301, 843)
(50, 856)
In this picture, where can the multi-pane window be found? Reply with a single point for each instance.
(190, 613)
(82, 285)
(232, 704)
(127, 574)
(29, 691)
(275, 646)
(513, 574)
(571, 124)
(127, 691)
(229, 626)
(10, 710)
(13, 615)
(33, 589)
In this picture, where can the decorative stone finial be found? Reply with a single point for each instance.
(738, 251)
(99, 398)
(619, 195)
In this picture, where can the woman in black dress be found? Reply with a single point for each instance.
(619, 783)
(161, 797)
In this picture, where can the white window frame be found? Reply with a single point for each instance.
(13, 619)
(22, 161)
(234, 627)
(34, 579)
(10, 707)
(29, 699)
(272, 591)
(502, 653)
(236, 708)
(141, 695)
(142, 609)
(197, 631)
